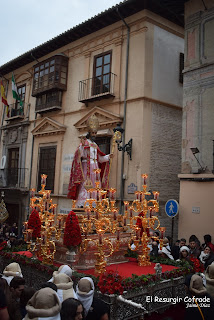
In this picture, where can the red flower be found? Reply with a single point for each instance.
(72, 234)
(34, 223)
(111, 283)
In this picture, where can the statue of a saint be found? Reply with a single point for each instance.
(88, 157)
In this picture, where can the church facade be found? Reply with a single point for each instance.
(125, 67)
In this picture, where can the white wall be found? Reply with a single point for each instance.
(166, 53)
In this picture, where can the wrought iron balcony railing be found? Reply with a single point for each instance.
(15, 111)
(13, 177)
(97, 88)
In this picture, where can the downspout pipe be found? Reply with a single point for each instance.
(124, 111)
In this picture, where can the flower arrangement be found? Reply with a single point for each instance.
(34, 223)
(72, 234)
(111, 283)
(197, 265)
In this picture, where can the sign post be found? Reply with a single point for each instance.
(171, 209)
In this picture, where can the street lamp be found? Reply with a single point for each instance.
(194, 152)
(128, 146)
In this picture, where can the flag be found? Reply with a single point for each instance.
(15, 92)
(4, 99)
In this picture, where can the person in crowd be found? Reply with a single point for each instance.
(176, 248)
(184, 254)
(72, 309)
(62, 269)
(13, 269)
(209, 275)
(14, 229)
(64, 285)
(197, 242)
(26, 295)
(207, 242)
(16, 286)
(166, 252)
(44, 304)
(154, 251)
(5, 287)
(209, 259)
(49, 284)
(95, 309)
(194, 251)
(4, 315)
(195, 289)
(204, 254)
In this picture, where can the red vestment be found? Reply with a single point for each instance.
(77, 175)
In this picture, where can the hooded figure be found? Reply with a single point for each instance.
(209, 274)
(196, 290)
(64, 285)
(85, 292)
(13, 269)
(62, 269)
(44, 305)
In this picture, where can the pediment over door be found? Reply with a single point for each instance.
(106, 119)
(48, 127)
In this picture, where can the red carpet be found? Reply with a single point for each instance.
(128, 268)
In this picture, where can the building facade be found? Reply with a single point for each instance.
(124, 66)
(196, 178)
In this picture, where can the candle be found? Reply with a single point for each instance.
(115, 214)
(46, 205)
(32, 193)
(100, 236)
(88, 214)
(156, 195)
(96, 215)
(118, 234)
(60, 223)
(150, 212)
(141, 196)
(25, 226)
(131, 212)
(48, 194)
(126, 203)
(43, 179)
(144, 177)
(54, 208)
(124, 221)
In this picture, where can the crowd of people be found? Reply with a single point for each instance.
(56, 299)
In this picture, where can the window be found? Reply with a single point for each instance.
(13, 166)
(47, 162)
(50, 74)
(104, 144)
(49, 99)
(102, 73)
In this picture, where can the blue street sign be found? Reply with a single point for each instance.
(171, 208)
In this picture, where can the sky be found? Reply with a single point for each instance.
(25, 24)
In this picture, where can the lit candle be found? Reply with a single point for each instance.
(25, 226)
(156, 195)
(144, 177)
(54, 208)
(48, 194)
(32, 193)
(131, 212)
(126, 203)
(43, 179)
(88, 213)
(150, 212)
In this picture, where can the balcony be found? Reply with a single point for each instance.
(49, 101)
(15, 112)
(13, 177)
(97, 88)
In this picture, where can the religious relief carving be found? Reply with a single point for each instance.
(13, 136)
(106, 119)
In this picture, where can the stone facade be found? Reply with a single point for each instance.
(197, 177)
(153, 116)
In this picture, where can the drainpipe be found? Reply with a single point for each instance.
(31, 161)
(124, 111)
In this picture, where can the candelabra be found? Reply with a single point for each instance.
(101, 217)
(52, 225)
(147, 209)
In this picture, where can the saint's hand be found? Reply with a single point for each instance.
(83, 141)
(111, 155)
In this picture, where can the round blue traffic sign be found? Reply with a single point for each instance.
(171, 208)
